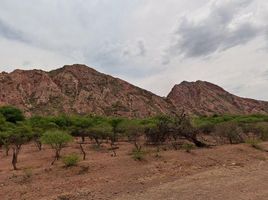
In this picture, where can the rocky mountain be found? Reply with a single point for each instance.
(204, 98)
(78, 89)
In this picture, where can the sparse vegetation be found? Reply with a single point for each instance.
(70, 160)
(27, 175)
(138, 154)
(254, 143)
(187, 147)
(159, 132)
(12, 114)
(57, 140)
(229, 132)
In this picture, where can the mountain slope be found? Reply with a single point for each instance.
(204, 98)
(77, 89)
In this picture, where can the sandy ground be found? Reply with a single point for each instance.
(225, 172)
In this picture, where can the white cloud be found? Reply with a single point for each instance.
(151, 43)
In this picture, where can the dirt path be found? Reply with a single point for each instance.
(239, 183)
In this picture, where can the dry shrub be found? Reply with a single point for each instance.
(229, 132)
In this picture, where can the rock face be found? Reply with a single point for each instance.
(204, 98)
(77, 89)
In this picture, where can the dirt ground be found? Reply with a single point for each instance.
(237, 172)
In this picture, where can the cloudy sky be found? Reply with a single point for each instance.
(151, 43)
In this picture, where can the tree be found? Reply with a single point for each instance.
(12, 114)
(5, 141)
(99, 132)
(57, 140)
(183, 128)
(115, 122)
(134, 130)
(229, 131)
(158, 130)
(4, 134)
(80, 126)
(39, 125)
(19, 136)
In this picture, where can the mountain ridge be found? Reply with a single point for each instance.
(205, 98)
(79, 89)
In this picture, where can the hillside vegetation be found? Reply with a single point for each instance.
(162, 132)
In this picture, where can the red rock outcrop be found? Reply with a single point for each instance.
(77, 89)
(204, 98)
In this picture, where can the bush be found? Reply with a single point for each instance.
(262, 129)
(187, 147)
(70, 160)
(12, 114)
(254, 143)
(230, 131)
(57, 140)
(27, 175)
(138, 154)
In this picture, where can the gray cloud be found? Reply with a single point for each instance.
(120, 57)
(11, 33)
(141, 48)
(137, 40)
(218, 31)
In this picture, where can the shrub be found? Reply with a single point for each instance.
(12, 114)
(27, 175)
(254, 143)
(262, 129)
(229, 131)
(138, 154)
(57, 140)
(158, 131)
(70, 160)
(188, 147)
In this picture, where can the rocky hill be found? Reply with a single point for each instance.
(78, 89)
(204, 98)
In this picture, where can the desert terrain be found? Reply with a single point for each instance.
(222, 172)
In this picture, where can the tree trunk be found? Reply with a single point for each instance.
(83, 151)
(38, 145)
(15, 158)
(97, 142)
(54, 160)
(58, 154)
(7, 150)
(56, 157)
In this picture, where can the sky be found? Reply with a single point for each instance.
(153, 44)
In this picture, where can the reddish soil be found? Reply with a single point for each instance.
(224, 172)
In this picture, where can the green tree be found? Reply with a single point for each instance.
(57, 140)
(39, 126)
(134, 129)
(20, 135)
(158, 130)
(5, 131)
(5, 141)
(12, 114)
(115, 122)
